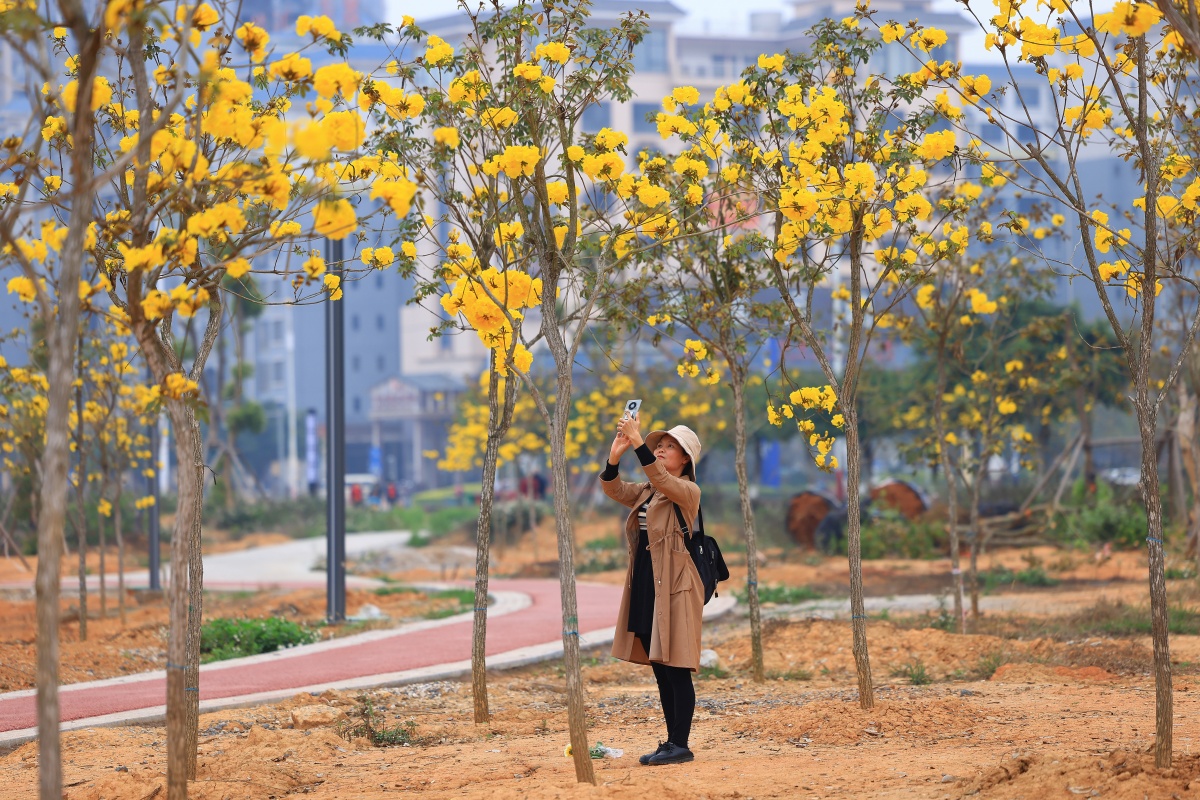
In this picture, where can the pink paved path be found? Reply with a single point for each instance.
(540, 623)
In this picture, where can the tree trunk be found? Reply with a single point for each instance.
(951, 475)
(1164, 701)
(120, 536)
(100, 549)
(62, 326)
(557, 432)
(81, 539)
(738, 382)
(976, 544)
(499, 419)
(858, 610)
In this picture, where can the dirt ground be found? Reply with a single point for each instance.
(1046, 724)
(989, 716)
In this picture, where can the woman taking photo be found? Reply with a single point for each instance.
(663, 601)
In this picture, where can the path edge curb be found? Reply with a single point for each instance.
(512, 659)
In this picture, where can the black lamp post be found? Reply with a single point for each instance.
(335, 448)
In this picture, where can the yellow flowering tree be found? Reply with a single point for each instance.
(216, 158)
(846, 163)
(700, 275)
(1121, 82)
(45, 249)
(499, 118)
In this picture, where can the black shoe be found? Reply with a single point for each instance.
(671, 754)
(646, 758)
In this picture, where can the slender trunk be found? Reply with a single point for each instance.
(81, 540)
(948, 470)
(80, 518)
(1085, 431)
(499, 419)
(858, 610)
(120, 536)
(738, 382)
(190, 513)
(1164, 700)
(62, 325)
(100, 549)
(182, 676)
(976, 544)
(576, 709)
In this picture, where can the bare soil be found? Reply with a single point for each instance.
(989, 716)
(1047, 727)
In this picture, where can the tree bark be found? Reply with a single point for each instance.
(738, 382)
(951, 476)
(192, 473)
(499, 419)
(120, 537)
(1159, 634)
(81, 539)
(858, 609)
(62, 326)
(976, 544)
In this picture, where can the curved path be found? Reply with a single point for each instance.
(524, 625)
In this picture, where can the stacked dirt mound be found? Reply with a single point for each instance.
(1120, 774)
(842, 721)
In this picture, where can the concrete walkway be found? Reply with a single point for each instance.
(524, 626)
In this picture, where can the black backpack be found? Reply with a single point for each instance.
(706, 555)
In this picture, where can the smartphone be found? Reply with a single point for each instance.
(632, 407)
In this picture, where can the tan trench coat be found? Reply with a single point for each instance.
(678, 593)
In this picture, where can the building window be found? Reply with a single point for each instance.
(379, 322)
(447, 342)
(640, 123)
(357, 404)
(651, 55)
(595, 117)
(379, 280)
(379, 363)
(277, 330)
(354, 363)
(354, 322)
(277, 371)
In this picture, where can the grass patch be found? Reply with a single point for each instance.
(370, 722)
(712, 672)
(1033, 575)
(914, 672)
(610, 542)
(794, 674)
(781, 595)
(223, 638)
(986, 667)
(1119, 619)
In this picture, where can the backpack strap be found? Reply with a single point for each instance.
(687, 534)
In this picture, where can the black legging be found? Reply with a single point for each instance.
(678, 698)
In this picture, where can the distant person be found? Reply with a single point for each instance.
(661, 608)
(356, 494)
(392, 493)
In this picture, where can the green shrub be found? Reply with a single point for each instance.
(610, 542)
(889, 535)
(915, 672)
(1103, 517)
(780, 595)
(224, 638)
(372, 725)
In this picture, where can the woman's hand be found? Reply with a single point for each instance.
(630, 428)
(619, 446)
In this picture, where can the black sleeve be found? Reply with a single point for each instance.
(610, 471)
(644, 455)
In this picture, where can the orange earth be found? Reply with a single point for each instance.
(1001, 717)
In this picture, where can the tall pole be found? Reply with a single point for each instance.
(293, 484)
(335, 450)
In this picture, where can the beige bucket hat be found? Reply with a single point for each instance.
(687, 439)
